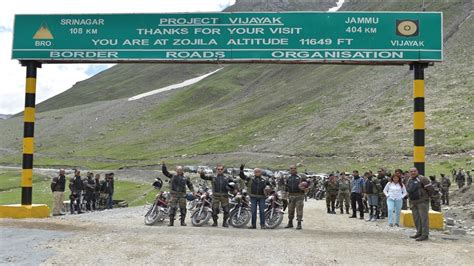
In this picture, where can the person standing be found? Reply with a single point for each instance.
(58, 185)
(89, 186)
(357, 187)
(75, 185)
(395, 191)
(331, 193)
(469, 178)
(109, 189)
(381, 183)
(344, 196)
(96, 195)
(296, 191)
(419, 190)
(220, 197)
(178, 192)
(445, 184)
(372, 194)
(256, 186)
(436, 197)
(460, 178)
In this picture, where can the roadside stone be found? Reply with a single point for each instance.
(449, 221)
(458, 232)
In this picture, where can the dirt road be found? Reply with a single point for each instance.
(119, 236)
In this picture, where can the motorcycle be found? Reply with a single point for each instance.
(320, 193)
(201, 208)
(240, 212)
(273, 213)
(159, 210)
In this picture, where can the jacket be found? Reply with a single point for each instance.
(256, 185)
(220, 184)
(58, 184)
(75, 185)
(292, 184)
(178, 182)
(419, 189)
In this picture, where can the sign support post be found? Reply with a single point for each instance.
(419, 116)
(27, 209)
(29, 131)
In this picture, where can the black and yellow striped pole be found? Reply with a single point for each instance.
(29, 132)
(419, 117)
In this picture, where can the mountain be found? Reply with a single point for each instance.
(3, 117)
(325, 116)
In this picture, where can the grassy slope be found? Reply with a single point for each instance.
(361, 114)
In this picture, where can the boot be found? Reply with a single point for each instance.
(333, 210)
(298, 227)
(290, 224)
(252, 227)
(329, 211)
(183, 217)
(224, 224)
(341, 211)
(171, 222)
(214, 223)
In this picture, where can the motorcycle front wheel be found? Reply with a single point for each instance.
(275, 220)
(151, 217)
(241, 220)
(200, 219)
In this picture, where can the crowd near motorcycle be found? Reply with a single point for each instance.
(199, 204)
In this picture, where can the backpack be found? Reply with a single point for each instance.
(414, 189)
(369, 186)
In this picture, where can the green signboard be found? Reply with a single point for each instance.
(307, 37)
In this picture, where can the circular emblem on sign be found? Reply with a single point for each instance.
(407, 28)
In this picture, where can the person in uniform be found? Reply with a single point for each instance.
(371, 190)
(58, 185)
(296, 197)
(436, 197)
(89, 186)
(256, 187)
(178, 192)
(419, 190)
(220, 197)
(344, 195)
(445, 184)
(331, 193)
(382, 182)
(75, 185)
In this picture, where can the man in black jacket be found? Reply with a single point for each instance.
(75, 185)
(178, 192)
(256, 188)
(296, 197)
(89, 187)
(58, 185)
(109, 189)
(220, 197)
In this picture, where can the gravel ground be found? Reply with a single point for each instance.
(119, 236)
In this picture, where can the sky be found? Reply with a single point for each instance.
(54, 79)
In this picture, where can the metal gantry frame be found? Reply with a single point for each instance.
(29, 124)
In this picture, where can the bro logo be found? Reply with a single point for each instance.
(407, 28)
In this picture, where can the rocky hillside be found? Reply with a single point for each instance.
(327, 116)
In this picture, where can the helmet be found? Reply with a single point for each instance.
(267, 190)
(158, 183)
(303, 185)
(190, 196)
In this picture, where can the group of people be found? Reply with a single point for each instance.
(88, 190)
(382, 195)
(257, 188)
(460, 177)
